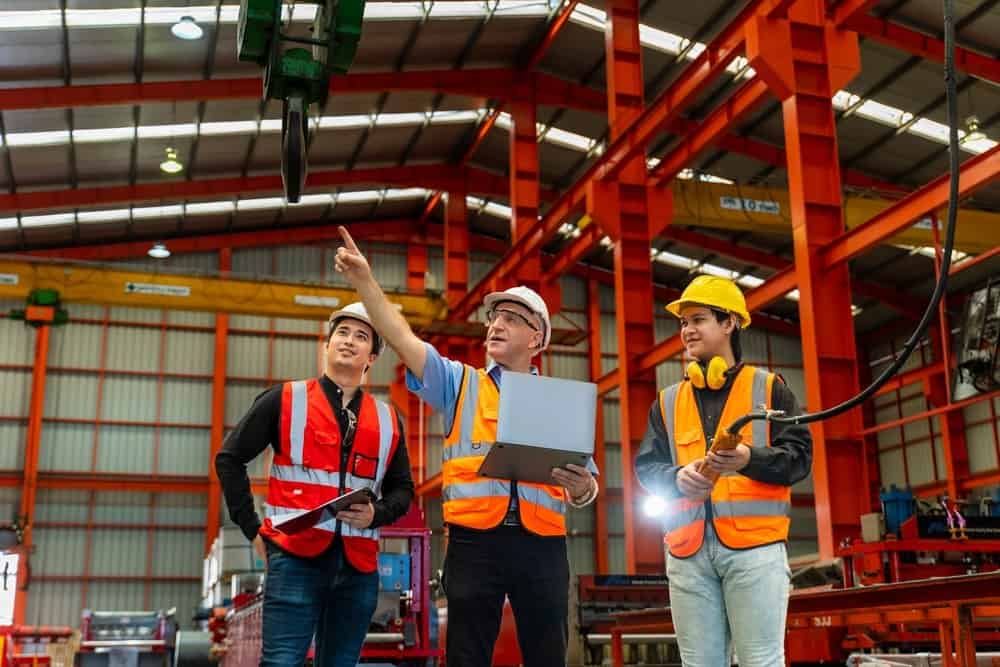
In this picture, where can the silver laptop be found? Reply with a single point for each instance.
(543, 423)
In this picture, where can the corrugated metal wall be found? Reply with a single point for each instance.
(910, 454)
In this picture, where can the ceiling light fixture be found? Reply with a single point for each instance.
(158, 251)
(171, 165)
(972, 131)
(187, 28)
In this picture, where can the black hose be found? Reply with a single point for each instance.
(949, 242)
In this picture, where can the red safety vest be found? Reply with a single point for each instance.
(745, 513)
(306, 471)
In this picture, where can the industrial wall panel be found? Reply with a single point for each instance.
(189, 352)
(479, 266)
(786, 351)
(616, 555)
(607, 298)
(435, 521)
(795, 378)
(173, 509)
(434, 277)
(116, 596)
(190, 318)
(301, 264)
(977, 412)
(920, 463)
(133, 349)
(61, 506)
(314, 327)
(54, 603)
(383, 371)
(432, 463)
(15, 392)
(177, 552)
(86, 311)
(76, 346)
(118, 552)
(122, 507)
(805, 485)
(66, 447)
(247, 356)
(915, 429)
(10, 501)
(942, 469)
(891, 468)
(295, 358)
(612, 421)
(126, 449)
(388, 264)
(58, 551)
(803, 525)
(249, 323)
(183, 451)
(572, 367)
(18, 339)
(611, 475)
(186, 402)
(581, 554)
(70, 395)
(185, 597)
(982, 448)
(139, 315)
(574, 293)
(580, 520)
(253, 262)
(129, 398)
(668, 373)
(239, 399)
(755, 346)
(12, 435)
(609, 337)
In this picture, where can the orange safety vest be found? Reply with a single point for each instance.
(306, 471)
(481, 502)
(745, 513)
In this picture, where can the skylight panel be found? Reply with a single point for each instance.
(568, 139)
(110, 215)
(47, 220)
(167, 131)
(313, 200)
(8, 223)
(930, 129)
(398, 194)
(209, 208)
(228, 127)
(155, 212)
(260, 204)
(50, 138)
(881, 113)
(104, 134)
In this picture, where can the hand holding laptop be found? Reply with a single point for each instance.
(358, 515)
(576, 479)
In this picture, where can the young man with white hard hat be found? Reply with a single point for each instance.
(329, 437)
(728, 511)
(505, 538)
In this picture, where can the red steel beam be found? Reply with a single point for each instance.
(555, 27)
(595, 359)
(848, 10)
(631, 140)
(909, 40)
(623, 209)
(217, 432)
(456, 247)
(489, 83)
(975, 173)
(433, 176)
(29, 488)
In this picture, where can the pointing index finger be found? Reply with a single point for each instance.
(348, 241)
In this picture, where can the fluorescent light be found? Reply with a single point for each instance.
(209, 208)
(47, 220)
(158, 251)
(111, 215)
(260, 204)
(187, 29)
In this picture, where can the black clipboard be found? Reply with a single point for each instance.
(296, 523)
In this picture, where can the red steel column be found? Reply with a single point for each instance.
(31, 451)
(524, 186)
(218, 409)
(456, 247)
(622, 209)
(805, 60)
(596, 371)
(406, 402)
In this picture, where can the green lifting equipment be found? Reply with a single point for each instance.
(298, 76)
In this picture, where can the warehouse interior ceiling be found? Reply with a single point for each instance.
(97, 90)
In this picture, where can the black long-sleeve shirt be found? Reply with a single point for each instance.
(259, 428)
(787, 461)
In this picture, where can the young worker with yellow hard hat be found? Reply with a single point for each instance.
(728, 511)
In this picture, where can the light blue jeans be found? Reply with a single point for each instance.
(722, 596)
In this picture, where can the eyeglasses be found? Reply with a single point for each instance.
(509, 318)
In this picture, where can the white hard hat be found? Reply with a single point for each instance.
(357, 311)
(528, 298)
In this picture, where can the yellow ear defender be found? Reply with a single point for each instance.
(714, 377)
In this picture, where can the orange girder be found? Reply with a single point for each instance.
(492, 83)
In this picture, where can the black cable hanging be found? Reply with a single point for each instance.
(942, 283)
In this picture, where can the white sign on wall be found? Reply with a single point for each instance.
(750, 205)
(156, 289)
(8, 587)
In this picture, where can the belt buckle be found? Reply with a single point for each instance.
(512, 519)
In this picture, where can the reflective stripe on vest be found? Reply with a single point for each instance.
(543, 506)
(766, 506)
(300, 406)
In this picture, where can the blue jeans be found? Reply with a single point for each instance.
(722, 596)
(324, 596)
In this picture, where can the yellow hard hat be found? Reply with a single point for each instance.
(713, 292)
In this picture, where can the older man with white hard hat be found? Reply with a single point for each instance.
(329, 437)
(505, 538)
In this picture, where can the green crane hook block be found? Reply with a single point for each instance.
(297, 76)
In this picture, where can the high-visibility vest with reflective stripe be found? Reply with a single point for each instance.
(481, 502)
(306, 471)
(745, 513)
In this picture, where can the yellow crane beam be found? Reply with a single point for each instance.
(105, 285)
(757, 209)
